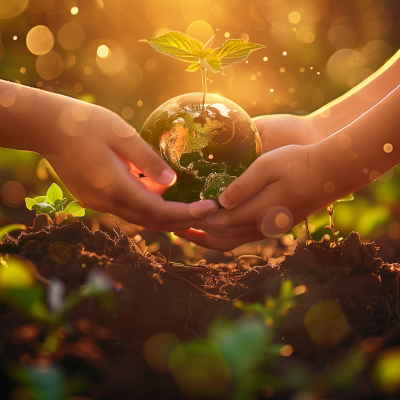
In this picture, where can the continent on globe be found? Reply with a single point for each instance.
(207, 147)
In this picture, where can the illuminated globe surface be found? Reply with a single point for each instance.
(208, 148)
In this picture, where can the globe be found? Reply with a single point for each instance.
(208, 147)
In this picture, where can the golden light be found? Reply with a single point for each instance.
(128, 113)
(286, 351)
(342, 63)
(7, 98)
(282, 70)
(39, 40)
(74, 10)
(87, 70)
(12, 8)
(227, 34)
(201, 30)
(265, 58)
(245, 37)
(217, 9)
(140, 103)
(284, 53)
(300, 289)
(193, 10)
(294, 17)
(15, 37)
(49, 65)
(103, 51)
(271, 90)
(78, 87)
(22, 70)
(387, 147)
(71, 36)
(162, 12)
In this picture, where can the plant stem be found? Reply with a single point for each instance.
(204, 81)
(308, 230)
(330, 209)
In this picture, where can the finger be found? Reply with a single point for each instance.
(141, 220)
(258, 175)
(231, 233)
(205, 240)
(146, 160)
(133, 193)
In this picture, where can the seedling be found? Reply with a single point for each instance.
(54, 204)
(201, 56)
(330, 209)
(26, 291)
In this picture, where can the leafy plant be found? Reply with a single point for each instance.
(26, 291)
(54, 204)
(182, 47)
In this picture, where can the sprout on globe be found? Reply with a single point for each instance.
(207, 139)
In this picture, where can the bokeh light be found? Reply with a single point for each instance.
(39, 40)
(50, 65)
(194, 10)
(294, 17)
(201, 30)
(12, 8)
(71, 36)
(74, 10)
(13, 194)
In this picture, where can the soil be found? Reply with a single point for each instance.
(155, 295)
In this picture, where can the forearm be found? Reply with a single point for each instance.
(29, 117)
(366, 148)
(340, 112)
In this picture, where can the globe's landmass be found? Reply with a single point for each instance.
(207, 147)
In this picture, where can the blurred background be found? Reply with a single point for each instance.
(315, 51)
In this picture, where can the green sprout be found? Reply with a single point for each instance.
(330, 209)
(54, 204)
(182, 47)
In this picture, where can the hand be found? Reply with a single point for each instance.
(279, 190)
(99, 157)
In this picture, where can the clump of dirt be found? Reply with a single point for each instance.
(155, 295)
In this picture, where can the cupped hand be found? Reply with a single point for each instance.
(280, 130)
(99, 157)
(279, 190)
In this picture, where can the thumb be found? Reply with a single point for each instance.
(248, 184)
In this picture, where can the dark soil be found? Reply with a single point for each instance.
(154, 295)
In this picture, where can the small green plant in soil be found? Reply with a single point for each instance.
(54, 204)
(208, 140)
(331, 226)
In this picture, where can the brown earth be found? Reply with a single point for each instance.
(154, 295)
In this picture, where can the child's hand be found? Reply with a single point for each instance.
(279, 190)
(284, 129)
(99, 156)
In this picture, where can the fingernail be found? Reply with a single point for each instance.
(167, 177)
(225, 202)
(201, 209)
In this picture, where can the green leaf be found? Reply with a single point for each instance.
(211, 62)
(79, 213)
(73, 207)
(177, 45)
(30, 203)
(40, 199)
(235, 50)
(350, 197)
(193, 67)
(10, 228)
(287, 290)
(209, 43)
(53, 193)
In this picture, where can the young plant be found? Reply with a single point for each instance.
(38, 299)
(330, 209)
(54, 204)
(201, 56)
